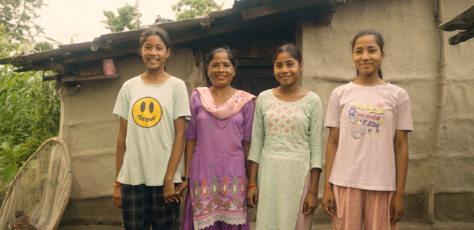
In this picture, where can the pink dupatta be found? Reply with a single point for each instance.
(229, 108)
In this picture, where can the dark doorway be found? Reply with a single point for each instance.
(253, 76)
(254, 73)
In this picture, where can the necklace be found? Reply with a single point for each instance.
(215, 121)
(297, 94)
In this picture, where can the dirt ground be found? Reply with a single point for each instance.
(402, 226)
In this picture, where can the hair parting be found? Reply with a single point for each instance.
(291, 49)
(223, 49)
(378, 39)
(155, 31)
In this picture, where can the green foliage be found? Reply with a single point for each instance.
(193, 8)
(43, 46)
(29, 112)
(128, 17)
(19, 16)
(6, 47)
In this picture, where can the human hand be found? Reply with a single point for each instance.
(310, 203)
(328, 202)
(169, 193)
(117, 197)
(180, 189)
(397, 207)
(252, 197)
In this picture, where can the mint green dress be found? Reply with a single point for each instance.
(286, 143)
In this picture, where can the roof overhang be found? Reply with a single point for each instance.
(257, 14)
(463, 21)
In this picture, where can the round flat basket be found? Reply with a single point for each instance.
(40, 191)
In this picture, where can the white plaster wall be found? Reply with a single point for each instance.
(410, 62)
(90, 129)
(455, 173)
(412, 56)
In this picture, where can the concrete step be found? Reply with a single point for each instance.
(402, 226)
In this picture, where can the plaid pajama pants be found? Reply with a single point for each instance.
(144, 205)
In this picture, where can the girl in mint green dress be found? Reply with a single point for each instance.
(286, 149)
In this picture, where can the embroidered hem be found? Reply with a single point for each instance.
(239, 219)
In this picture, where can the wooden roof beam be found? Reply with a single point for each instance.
(253, 13)
(102, 55)
(461, 37)
(223, 13)
(236, 26)
(256, 3)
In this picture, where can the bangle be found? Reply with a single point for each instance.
(185, 179)
(251, 185)
(117, 184)
(313, 193)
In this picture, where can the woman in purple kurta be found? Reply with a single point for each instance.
(217, 171)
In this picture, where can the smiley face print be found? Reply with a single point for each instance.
(146, 112)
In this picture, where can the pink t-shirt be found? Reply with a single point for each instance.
(367, 118)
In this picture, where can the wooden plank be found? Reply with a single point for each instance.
(461, 37)
(184, 24)
(132, 34)
(242, 4)
(101, 55)
(35, 57)
(92, 78)
(256, 3)
(254, 62)
(108, 46)
(50, 77)
(26, 69)
(76, 47)
(222, 13)
(206, 25)
(181, 25)
(7, 60)
(266, 10)
(236, 26)
(41, 66)
(463, 21)
(243, 49)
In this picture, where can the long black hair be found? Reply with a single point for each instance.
(378, 39)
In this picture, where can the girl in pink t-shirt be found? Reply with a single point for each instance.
(367, 151)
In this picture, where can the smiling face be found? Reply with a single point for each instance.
(220, 70)
(367, 55)
(287, 69)
(154, 52)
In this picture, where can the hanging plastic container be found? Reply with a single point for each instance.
(109, 67)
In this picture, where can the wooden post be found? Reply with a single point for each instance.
(51, 77)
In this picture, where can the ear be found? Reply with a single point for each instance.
(383, 56)
(168, 52)
(301, 67)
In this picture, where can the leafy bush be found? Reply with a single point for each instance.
(29, 115)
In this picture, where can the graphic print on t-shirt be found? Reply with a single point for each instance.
(146, 112)
(366, 120)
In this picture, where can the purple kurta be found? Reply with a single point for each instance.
(218, 181)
